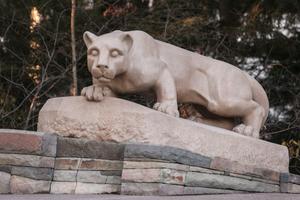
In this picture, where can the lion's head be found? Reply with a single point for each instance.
(106, 54)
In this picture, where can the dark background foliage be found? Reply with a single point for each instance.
(261, 37)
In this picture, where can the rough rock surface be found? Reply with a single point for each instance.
(116, 120)
(21, 185)
(27, 142)
(4, 182)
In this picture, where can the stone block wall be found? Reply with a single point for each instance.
(26, 161)
(289, 183)
(155, 170)
(87, 167)
(34, 162)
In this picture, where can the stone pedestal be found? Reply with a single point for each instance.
(120, 121)
(36, 162)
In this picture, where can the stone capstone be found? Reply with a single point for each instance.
(27, 142)
(68, 147)
(120, 121)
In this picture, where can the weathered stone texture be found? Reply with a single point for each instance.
(4, 183)
(21, 185)
(91, 188)
(140, 189)
(26, 160)
(204, 170)
(153, 165)
(49, 145)
(222, 164)
(227, 182)
(27, 142)
(289, 188)
(113, 180)
(5, 168)
(111, 172)
(63, 187)
(252, 178)
(171, 176)
(168, 176)
(142, 175)
(117, 120)
(290, 178)
(202, 190)
(65, 175)
(91, 177)
(33, 173)
(67, 163)
(167, 189)
(166, 153)
(151, 189)
(93, 167)
(83, 148)
(98, 164)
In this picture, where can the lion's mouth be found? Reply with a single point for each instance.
(104, 79)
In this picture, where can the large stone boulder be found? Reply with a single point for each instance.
(121, 121)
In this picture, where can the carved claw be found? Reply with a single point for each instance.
(92, 93)
(246, 130)
(168, 107)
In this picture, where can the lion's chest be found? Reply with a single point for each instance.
(126, 84)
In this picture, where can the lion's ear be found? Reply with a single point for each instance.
(127, 39)
(89, 38)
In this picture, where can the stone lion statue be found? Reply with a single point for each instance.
(131, 62)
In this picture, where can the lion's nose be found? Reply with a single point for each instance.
(102, 66)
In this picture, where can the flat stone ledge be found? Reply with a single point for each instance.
(166, 153)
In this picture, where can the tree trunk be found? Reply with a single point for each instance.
(74, 87)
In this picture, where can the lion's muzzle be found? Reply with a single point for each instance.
(102, 73)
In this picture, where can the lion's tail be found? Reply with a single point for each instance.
(259, 95)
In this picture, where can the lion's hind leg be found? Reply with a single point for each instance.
(251, 113)
(255, 120)
(201, 115)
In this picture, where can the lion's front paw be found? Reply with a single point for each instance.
(246, 130)
(168, 107)
(92, 93)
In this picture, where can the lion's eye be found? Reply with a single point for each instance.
(114, 53)
(94, 52)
